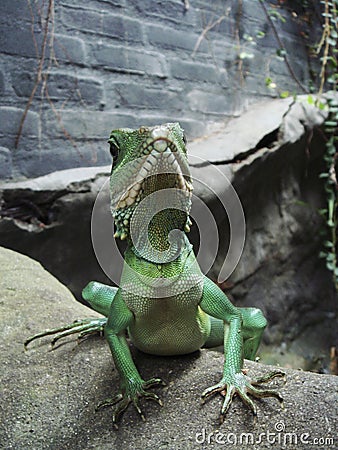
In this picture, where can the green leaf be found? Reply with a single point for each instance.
(301, 203)
(268, 81)
(245, 55)
(330, 130)
(332, 60)
(247, 37)
(276, 15)
(281, 52)
(329, 190)
(284, 94)
(330, 266)
(334, 76)
(330, 257)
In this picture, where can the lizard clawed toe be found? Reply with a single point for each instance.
(132, 393)
(239, 384)
(269, 376)
(154, 382)
(109, 402)
(83, 327)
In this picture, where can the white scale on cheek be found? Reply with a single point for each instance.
(129, 201)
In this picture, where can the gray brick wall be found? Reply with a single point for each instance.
(116, 63)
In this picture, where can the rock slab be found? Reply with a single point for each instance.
(49, 397)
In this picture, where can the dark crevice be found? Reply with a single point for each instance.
(30, 209)
(268, 141)
(26, 211)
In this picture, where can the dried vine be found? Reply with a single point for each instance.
(38, 78)
(43, 69)
(282, 50)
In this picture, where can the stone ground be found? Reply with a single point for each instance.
(49, 397)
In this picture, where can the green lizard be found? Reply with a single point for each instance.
(164, 303)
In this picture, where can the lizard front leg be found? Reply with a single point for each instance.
(99, 298)
(132, 386)
(234, 382)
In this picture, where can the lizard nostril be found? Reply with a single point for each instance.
(160, 145)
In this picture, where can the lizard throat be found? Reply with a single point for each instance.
(161, 169)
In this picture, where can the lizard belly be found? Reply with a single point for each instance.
(170, 325)
(170, 334)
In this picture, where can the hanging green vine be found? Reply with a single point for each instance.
(327, 50)
(328, 75)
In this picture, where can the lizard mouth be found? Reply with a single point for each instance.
(161, 166)
(158, 170)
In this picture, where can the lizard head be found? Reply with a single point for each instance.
(147, 161)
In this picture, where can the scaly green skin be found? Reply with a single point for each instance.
(164, 303)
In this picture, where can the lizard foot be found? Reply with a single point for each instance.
(132, 394)
(83, 327)
(241, 385)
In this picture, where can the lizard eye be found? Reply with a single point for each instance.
(114, 148)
